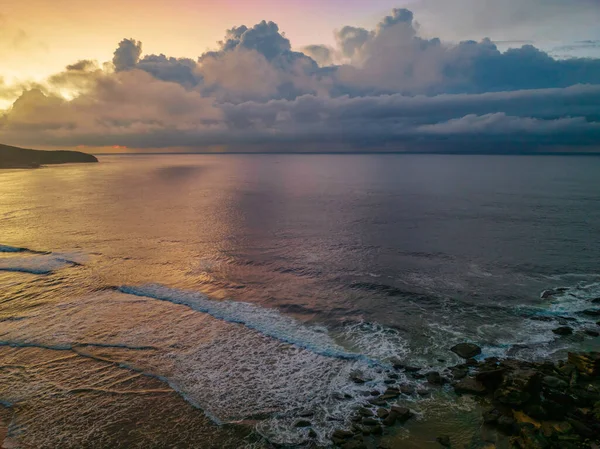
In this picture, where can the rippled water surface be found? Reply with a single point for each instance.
(254, 286)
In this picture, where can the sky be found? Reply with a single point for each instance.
(315, 75)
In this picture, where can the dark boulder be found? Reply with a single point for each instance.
(434, 378)
(444, 440)
(470, 386)
(466, 350)
(563, 330)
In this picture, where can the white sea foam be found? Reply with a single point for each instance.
(268, 322)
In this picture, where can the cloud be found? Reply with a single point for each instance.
(389, 87)
(509, 19)
(127, 55)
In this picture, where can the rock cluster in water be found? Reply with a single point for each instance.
(537, 405)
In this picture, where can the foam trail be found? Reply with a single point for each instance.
(266, 321)
(35, 264)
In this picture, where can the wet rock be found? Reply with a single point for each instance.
(382, 413)
(469, 386)
(491, 416)
(536, 412)
(342, 435)
(306, 414)
(444, 440)
(554, 382)
(302, 423)
(402, 414)
(491, 378)
(591, 312)
(434, 378)
(370, 422)
(374, 393)
(423, 392)
(466, 350)
(407, 389)
(380, 402)
(357, 377)
(389, 381)
(397, 363)
(587, 363)
(312, 434)
(472, 362)
(459, 373)
(411, 369)
(365, 412)
(507, 425)
(393, 376)
(592, 333)
(563, 330)
(530, 438)
(354, 445)
(518, 387)
(392, 390)
(581, 428)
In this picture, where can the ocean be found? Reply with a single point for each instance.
(175, 300)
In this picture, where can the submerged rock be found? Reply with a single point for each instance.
(563, 330)
(444, 440)
(466, 350)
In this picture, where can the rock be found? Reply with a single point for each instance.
(591, 312)
(374, 393)
(312, 434)
(434, 378)
(537, 412)
(554, 382)
(491, 416)
(378, 401)
(423, 392)
(592, 333)
(306, 414)
(444, 440)
(411, 369)
(459, 373)
(365, 412)
(382, 413)
(596, 301)
(393, 376)
(492, 378)
(587, 363)
(407, 389)
(469, 386)
(507, 425)
(370, 422)
(389, 381)
(472, 362)
(397, 363)
(564, 330)
(518, 387)
(581, 428)
(402, 414)
(357, 377)
(466, 350)
(354, 445)
(302, 423)
(342, 434)
(530, 438)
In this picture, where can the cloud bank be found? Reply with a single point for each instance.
(387, 88)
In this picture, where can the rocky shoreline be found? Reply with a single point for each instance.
(534, 405)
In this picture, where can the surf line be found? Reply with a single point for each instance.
(219, 310)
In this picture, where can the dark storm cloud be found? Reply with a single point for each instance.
(388, 88)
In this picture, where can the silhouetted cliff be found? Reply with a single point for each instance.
(13, 157)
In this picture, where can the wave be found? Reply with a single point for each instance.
(268, 322)
(35, 264)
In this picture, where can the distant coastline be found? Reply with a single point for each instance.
(14, 157)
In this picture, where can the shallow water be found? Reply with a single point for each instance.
(255, 285)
